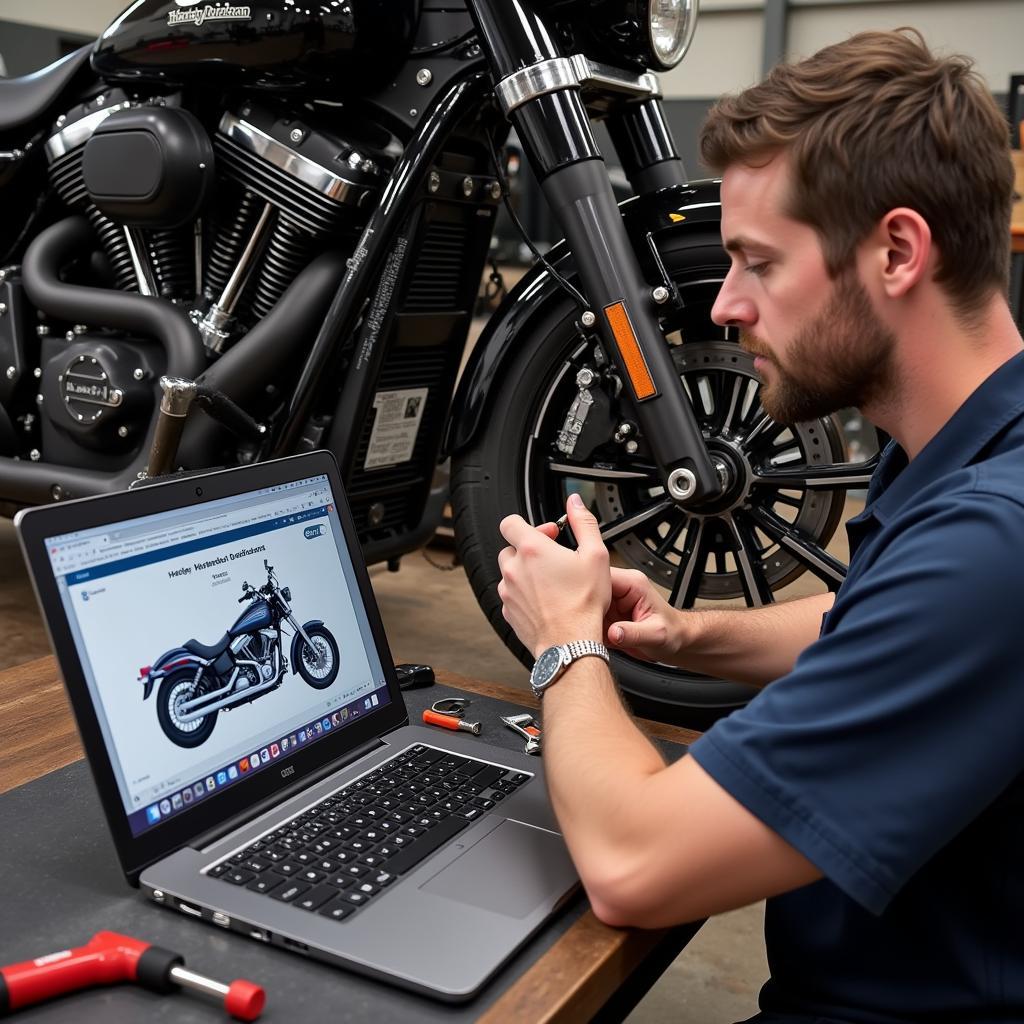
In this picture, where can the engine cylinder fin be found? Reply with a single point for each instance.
(66, 176)
(287, 252)
(170, 255)
(231, 238)
(67, 180)
(116, 248)
(304, 206)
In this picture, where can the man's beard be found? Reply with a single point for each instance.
(842, 358)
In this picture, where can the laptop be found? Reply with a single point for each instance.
(229, 673)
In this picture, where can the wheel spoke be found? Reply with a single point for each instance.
(819, 561)
(733, 401)
(761, 439)
(758, 427)
(819, 478)
(787, 499)
(750, 405)
(612, 531)
(687, 583)
(756, 591)
(601, 473)
(670, 538)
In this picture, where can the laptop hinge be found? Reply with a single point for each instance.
(279, 797)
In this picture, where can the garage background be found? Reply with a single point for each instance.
(431, 615)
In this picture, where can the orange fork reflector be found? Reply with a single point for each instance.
(629, 348)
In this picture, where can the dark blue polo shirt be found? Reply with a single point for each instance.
(892, 756)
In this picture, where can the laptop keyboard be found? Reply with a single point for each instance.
(336, 856)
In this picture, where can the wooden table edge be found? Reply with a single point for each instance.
(554, 990)
(570, 982)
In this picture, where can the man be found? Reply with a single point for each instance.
(873, 792)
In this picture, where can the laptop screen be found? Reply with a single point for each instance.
(217, 638)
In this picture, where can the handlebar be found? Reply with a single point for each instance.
(249, 592)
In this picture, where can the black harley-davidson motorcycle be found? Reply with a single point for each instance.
(197, 681)
(237, 231)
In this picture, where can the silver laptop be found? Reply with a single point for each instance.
(232, 684)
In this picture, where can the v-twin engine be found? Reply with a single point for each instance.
(148, 175)
(218, 216)
(257, 647)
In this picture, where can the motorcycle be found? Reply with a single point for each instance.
(197, 681)
(261, 230)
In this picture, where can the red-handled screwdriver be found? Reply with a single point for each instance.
(108, 958)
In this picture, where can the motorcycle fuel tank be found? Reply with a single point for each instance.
(256, 616)
(333, 45)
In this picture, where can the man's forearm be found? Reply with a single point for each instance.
(596, 761)
(752, 645)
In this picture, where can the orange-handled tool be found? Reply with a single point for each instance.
(108, 958)
(448, 715)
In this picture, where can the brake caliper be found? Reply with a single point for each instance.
(586, 423)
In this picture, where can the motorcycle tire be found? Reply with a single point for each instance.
(498, 475)
(173, 688)
(318, 682)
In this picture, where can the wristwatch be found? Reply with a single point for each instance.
(553, 661)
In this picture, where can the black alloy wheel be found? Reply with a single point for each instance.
(784, 496)
(318, 661)
(175, 690)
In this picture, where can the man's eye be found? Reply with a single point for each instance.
(757, 269)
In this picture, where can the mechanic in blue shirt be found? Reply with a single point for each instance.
(873, 792)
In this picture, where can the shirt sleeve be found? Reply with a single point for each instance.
(903, 722)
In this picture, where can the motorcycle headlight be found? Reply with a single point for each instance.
(670, 27)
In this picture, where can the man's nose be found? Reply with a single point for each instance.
(732, 308)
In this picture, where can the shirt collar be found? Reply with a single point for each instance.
(994, 404)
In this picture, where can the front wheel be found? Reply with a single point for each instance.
(561, 421)
(317, 661)
(175, 690)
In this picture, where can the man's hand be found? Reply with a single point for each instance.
(641, 622)
(551, 595)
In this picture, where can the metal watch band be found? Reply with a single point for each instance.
(578, 648)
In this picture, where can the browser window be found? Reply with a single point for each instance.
(217, 639)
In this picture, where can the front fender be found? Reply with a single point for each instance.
(667, 211)
(297, 639)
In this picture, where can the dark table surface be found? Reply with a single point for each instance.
(60, 883)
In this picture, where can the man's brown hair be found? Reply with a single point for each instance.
(874, 123)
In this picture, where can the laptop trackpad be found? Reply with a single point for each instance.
(512, 871)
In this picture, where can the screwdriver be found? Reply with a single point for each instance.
(108, 958)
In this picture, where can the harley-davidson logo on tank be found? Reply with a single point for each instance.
(191, 13)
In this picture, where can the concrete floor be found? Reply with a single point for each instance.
(431, 616)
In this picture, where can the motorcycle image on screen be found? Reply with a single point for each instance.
(197, 681)
(233, 232)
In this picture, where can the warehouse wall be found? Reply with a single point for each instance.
(728, 50)
(990, 31)
(736, 41)
(87, 17)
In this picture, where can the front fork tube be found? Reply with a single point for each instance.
(556, 132)
(298, 629)
(645, 147)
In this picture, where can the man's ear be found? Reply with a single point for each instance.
(903, 244)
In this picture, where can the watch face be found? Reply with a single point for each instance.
(546, 666)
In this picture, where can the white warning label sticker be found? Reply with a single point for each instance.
(395, 425)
